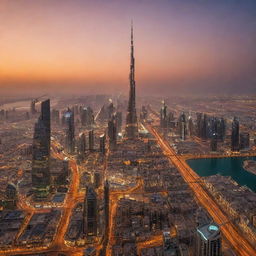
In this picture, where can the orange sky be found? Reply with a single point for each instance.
(84, 45)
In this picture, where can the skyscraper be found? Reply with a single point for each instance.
(41, 152)
(182, 126)
(106, 203)
(91, 140)
(235, 135)
(112, 131)
(103, 143)
(46, 118)
(70, 131)
(208, 240)
(81, 146)
(163, 116)
(90, 212)
(244, 140)
(131, 118)
(87, 117)
(214, 142)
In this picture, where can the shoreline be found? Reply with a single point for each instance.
(250, 166)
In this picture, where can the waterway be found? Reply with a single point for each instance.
(232, 166)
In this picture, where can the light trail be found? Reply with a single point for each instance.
(229, 231)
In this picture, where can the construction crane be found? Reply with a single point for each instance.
(33, 104)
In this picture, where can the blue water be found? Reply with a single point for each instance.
(232, 166)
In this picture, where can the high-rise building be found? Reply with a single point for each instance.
(131, 118)
(81, 147)
(163, 116)
(208, 240)
(119, 120)
(91, 140)
(112, 131)
(214, 142)
(244, 140)
(182, 126)
(190, 129)
(235, 135)
(41, 152)
(221, 129)
(55, 116)
(103, 143)
(110, 109)
(46, 118)
(199, 119)
(87, 116)
(106, 204)
(90, 213)
(70, 131)
(204, 133)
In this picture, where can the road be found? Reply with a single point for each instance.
(58, 245)
(229, 231)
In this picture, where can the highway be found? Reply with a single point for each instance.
(229, 231)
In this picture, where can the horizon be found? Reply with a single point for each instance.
(82, 47)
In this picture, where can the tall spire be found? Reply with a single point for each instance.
(131, 119)
(132, 33)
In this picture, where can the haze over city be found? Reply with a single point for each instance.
(82, 46)
(127, 128)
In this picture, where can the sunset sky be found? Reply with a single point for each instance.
(82, 46)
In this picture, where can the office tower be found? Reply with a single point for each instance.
(214, 142)
(208, 240)
(199, 121)
(83, 116)
(46, 118)
(41, 152)
(70, 131)
(55, 116)
(182, 126)
(106, 204)
(91, 140)
(213, 127)
(81, 146)
(103, 144)
(87, 117)
(204, 126)
(163, 116)
(90, 213)
(221, 129)
(235, 135)
(110, 109)
(244, 140)
(190, 126)
(112, 131)
(131, 118)
(119, 120)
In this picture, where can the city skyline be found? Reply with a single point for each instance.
(81, 46)
(129, 143)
